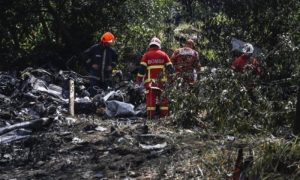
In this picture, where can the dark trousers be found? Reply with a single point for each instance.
(96, 84)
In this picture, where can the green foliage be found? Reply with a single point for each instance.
(225, 96)
(276, 159)
(145, 21)
(38, 32)
(231, 102)
(35, 32)
(69, 27)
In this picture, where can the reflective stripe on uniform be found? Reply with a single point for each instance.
(155, 67)
(151, 108)
(150, 79)
(144, 64)
(164, 78)
(103, 65)
(140, 75)
(164, 108)
(151, 67)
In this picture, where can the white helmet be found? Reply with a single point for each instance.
(155, 41)
(248, 48)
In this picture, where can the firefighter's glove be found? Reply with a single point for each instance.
(137, 85)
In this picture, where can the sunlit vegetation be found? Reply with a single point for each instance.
(258, 110)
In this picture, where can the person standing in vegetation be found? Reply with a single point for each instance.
(101, 59)
(152, 69)
(186, 61)
(246, 59)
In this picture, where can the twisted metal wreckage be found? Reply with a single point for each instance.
(36, 128)
(37, 97)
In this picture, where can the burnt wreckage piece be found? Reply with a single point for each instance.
(34, 95)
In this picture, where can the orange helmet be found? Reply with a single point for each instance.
(107, 37)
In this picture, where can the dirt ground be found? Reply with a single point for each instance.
(88, 147)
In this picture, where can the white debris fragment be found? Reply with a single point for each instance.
(156, 146)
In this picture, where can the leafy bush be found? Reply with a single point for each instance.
(230, 101)
(276, 159)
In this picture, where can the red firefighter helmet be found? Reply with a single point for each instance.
(107, 37)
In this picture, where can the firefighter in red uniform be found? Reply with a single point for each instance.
(186, 61)
(152, 69)
(246, 59)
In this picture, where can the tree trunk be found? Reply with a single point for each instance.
(296, 125)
